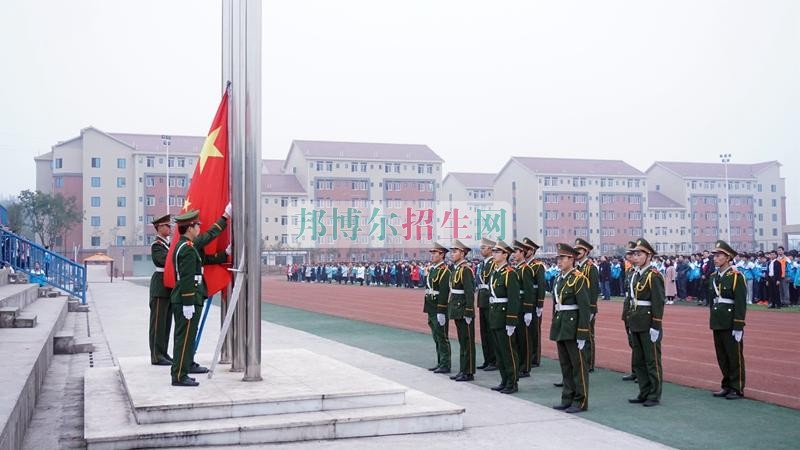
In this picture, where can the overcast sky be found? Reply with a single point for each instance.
(476, 81)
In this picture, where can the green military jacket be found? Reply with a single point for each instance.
(190, 288)
(568, 290)
(158, 252)
(539, 283)
(483, 273)
(647, 286)
(626, 304)
(527, 294)
(461, 304)
(589, 270)
(730, 287)
(437, 283)
(504, 284)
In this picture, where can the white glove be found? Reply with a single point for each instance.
(581, 343)
(538, 312)
(654, 334)
(229, 249)
(591, 317)
(468, 319)
(510, 329)
(440, 318)
(188, 312)
(527, 318)
(737, 334)
(228, 209)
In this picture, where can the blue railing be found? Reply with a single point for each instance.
(56, 270)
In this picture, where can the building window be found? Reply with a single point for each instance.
(181, 162)
(579, 198)
(774, 217)
(95, 221)
(120, 182)
(150, 162)
(353, 167)
(774, 231)
(149, 181)
(551, 198)
(284, 220)
(121, 202)
(170, 162)
(773, 188)
(121, 162)
(95, 163)
(95, 241)
(151, 200)
(120, 240)
(58, 182)
(634, 200)
(120, 221)
(294, 201)
(95, 202)
(96, 182)
(58, 163)
(284, 202)
(774, 203)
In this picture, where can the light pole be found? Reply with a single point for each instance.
(726, 158)
(166, 141)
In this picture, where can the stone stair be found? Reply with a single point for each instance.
(66, 342)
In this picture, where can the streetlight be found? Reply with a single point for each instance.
(166, 141)
(726, 158)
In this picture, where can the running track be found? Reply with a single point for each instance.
(771, 339)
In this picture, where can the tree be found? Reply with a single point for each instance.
(49, 216)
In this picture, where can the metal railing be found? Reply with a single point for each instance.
(56, 270)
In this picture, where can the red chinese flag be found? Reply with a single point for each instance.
(209, 192)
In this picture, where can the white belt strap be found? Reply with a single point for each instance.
(159, 269)
(727, 301)
(456, 291)
(483, 286)
(498, 300)
(566, 307)
(643, 303)
(431, 292)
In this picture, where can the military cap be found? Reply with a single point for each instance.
(517, 245)
(529, 242)
(187, 218)
(460, 246)
(643, 245)
(487, 242)
(162, 220)
(564, 249)
(437, 247)
(631, 247)
(723, 247)
(580, 243)
(503, 247)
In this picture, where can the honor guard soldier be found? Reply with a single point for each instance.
(190, 290)
(644, 320)
(504, 317)
(626, 306)
(539, 289)
(570, 330)
(523, 332)
(437, 283)
(589, 270)
(160, 317)
(461, 308)
(482, 274)
(727, 321)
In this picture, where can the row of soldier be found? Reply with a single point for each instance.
(509, 284)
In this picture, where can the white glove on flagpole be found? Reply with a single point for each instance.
(228, 210)
(510, 329)
(528, 317)
(737, 334)
(581, 343)
(440, 318)
(468, 319)
(538, 312)
(591, 317)
(188, 312)
(654, 334)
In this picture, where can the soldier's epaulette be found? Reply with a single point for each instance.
(734, 271)
(509, 269)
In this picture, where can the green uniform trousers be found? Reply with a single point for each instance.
(574, 374)
(630, 344)
(647, 365)
(507, 358)
(183, 344)
(730, 358)
(466, 346)
(487, 338)
(440, 340)
(160, 324)
(536, 342)
(524, 338)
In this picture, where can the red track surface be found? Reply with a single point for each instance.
(771, 338)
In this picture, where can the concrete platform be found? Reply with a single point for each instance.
(19, 295)
(112, 423)
(296, 380)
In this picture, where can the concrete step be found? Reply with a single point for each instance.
(19, 295)
(7, 316)
(25, 320)
(111, 424)
(82, 345)
(63, 342)
(53, 294)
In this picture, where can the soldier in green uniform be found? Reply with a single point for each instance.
(727, 320)
(160, 317)
(570, 330)
(482, 274)
(626, 306)
(190, 291)
(437, 283)
(461, 308)
(539, 286)
(504, 317)
(523, 332)
(644, 320)
(589, 270)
